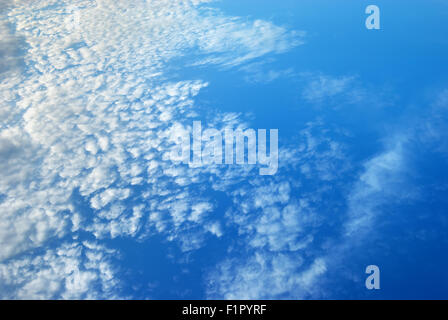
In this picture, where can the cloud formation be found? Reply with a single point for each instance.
(86, 127)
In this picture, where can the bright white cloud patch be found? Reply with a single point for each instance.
(88, 114)
(88, 111)
(279, 221)
(70, 271)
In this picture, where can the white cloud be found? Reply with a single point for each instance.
(279, 224)
(266, 276)
(60, 273)
(238, 41)
(91, 114)
(322, 87)
(383, 180)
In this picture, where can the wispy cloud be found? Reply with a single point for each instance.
(322, 88)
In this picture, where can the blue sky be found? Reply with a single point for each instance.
(92, 206)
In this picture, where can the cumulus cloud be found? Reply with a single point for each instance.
(288, 249)
(90, 115)
(280, 224)
(10, 50)
(88, 111)
(69, 271)
(265, 276)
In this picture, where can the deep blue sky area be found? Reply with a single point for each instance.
(93, 206)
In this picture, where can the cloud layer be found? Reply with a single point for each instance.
(87, 118)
